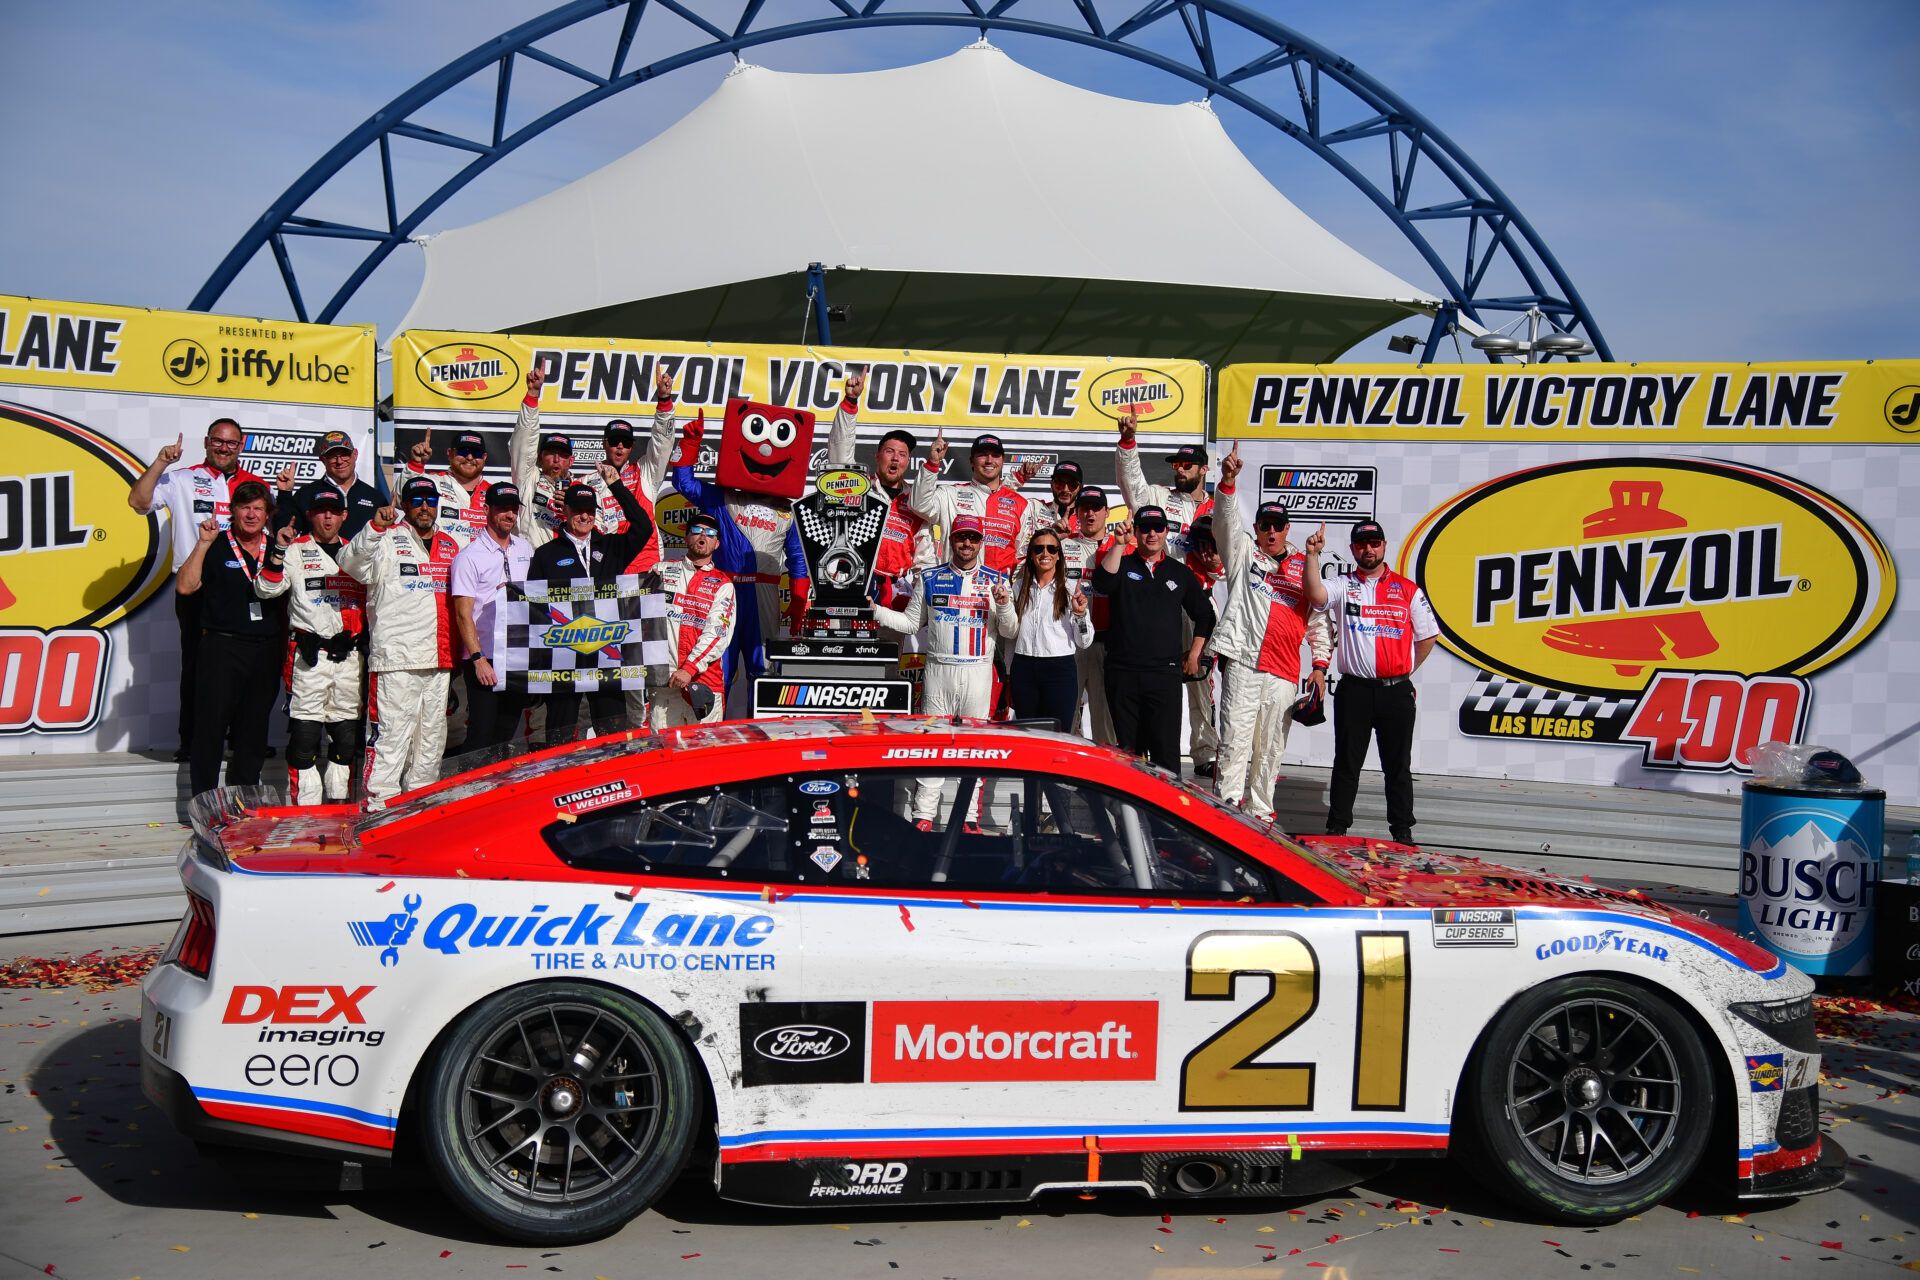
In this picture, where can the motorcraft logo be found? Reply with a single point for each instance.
(466, 927)
(583, 635)
(467, 371)
(1147, 393)
(928, 1041)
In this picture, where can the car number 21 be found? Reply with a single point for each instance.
(1220, 1074)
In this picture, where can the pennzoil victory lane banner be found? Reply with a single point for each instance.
(1048, 407)
(1640, 571)
(89, 646)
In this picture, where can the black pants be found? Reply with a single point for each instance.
(1363, 711)
(493, 715)
(238, 683)
(1145, 705)
(1045, 687)
(187, 610)
(606, 708)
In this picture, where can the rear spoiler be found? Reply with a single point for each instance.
(211, 812)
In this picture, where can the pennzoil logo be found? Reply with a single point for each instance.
(74, 559)
(583, 635)
(844, 486)
(1602, 574)
(1150, 392)
(468, 371)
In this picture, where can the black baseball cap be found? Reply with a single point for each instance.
(581, 497)
(504, 494)
(988, 443)
(1201, 530)
(619, 433)
(1367, 531)
(1192, 455)
(1090, 495)
(419, 487)
(554, 443)
(1150, 517)
(1271, 513)
(469, 442)
(1068, 470)
(326, 498)
(332, 442)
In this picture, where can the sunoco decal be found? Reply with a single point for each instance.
(1676, 605)
(468, 371)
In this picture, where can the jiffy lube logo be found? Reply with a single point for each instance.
(584, 937)
(1690, 598)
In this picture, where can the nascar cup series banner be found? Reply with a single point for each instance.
(1050, 408)
(1640, 571)
(89, 647)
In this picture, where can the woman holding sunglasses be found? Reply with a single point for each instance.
(1055, 625)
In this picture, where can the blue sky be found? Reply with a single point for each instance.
(1731, 181)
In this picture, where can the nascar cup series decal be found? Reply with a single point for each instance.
(1675, 605)
(576, 938)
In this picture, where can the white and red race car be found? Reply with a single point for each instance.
(561, 979)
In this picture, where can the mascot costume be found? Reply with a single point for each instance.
(764, 456)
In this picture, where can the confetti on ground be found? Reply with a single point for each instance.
(94, 972)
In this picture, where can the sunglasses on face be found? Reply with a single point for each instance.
(964, 537)
(1268, 526)
(702, 533)
(1045, 549)
(1152, 526)
(1369, 542)
(469, 451)
(420, 500)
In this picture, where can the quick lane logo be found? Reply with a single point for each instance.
(1148, 392)
(1594, 575)
(583, 635)
(464, 927)
(924, 1041)
(467, 371)
(74, 559)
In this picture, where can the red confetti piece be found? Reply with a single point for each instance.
(1832, 1244)
(685, 1256)
(968, 902)
(1333, 1239)
(75, 1199)
(385, 888)
(1693, 1213)
(1555, 1244)
(905, 918)
(446, 1253)
(1444, 1249)
(1165, 1231)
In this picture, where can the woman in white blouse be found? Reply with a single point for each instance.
(1044, 679)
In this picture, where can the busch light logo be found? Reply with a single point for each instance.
(1807, 877)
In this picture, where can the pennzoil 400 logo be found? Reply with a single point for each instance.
(74, 559)
(1677, 605)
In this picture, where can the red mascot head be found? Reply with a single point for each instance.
(765, 449)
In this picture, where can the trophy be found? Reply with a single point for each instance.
(840, 525)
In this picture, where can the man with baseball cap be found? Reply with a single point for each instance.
(1386, 629)
(463, 485)
(339, 461)
(1007, 518)
(700, 605)
(644, 476)
(1149, 593)
(1065, 482)
(964, 607)
(1276, 602)
(495, 556)
(404, 562)
(906, 541)
(1080, 551)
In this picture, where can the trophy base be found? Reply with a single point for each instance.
(839, 624)
(833, 679)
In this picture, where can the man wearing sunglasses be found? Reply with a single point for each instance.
(191, 495)
(1149, 593)
(1184, 501)
(1386, 630)
(1080, 552)
(405, 562)
(339, 462)
(463, 486)
(642, 477)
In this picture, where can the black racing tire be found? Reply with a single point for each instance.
(555, 1113)
(1590, 1099)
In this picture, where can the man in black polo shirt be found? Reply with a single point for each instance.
(1148, 592)
(337, 454)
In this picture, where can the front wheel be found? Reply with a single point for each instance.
(555, 1113)
(1593, 1098)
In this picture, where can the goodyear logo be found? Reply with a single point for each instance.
(467, 371)
(1149, 392)
(844, 486)
(1764, 1072)
(583, 635)
(1599, 574)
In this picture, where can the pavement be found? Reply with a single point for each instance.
(99, 1185)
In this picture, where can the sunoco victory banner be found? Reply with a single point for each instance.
(1635, 581)
(89, 652)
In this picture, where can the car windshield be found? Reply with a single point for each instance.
(1265, 830)
(598, 751)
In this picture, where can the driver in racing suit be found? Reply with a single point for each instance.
(327, 610)
(700, 605)
(1184, 502)
(1275, 600)
(963, 606)
(906, 543)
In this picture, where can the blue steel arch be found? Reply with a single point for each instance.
(1494, 229)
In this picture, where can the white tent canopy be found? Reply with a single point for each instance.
(967, 200)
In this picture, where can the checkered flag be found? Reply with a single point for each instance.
(861, 531)
(1495, 695)
(583, 636)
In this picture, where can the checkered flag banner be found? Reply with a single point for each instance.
(583, 636)
(1496, 702)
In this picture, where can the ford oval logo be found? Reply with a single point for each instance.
(819, 787)
(801, 1043)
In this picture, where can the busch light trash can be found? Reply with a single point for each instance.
(1810, 850)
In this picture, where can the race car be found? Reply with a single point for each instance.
(563, 979)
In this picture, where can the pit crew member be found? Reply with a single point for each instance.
(1148, 594)
(1203, 734)
(463, 485)
(1066, 483)
(1080, 553)
(643, 477)
(477, 585)
(339, 461)
(1007, 519)
(405, 565)
(906, 543)
(700, 605)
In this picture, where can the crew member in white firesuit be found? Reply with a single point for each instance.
(463, 486)
(405, 566)
(542, 468)
(1080, 551)
(700, 605)
(964, 606)
(1066, 483)
(1276, 601)
(906, 543)
(643, 476)
(326, 608)
(1185, 501)
(1007, 517)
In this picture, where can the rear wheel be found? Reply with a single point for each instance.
(556, 1113)
(1593, 1098)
